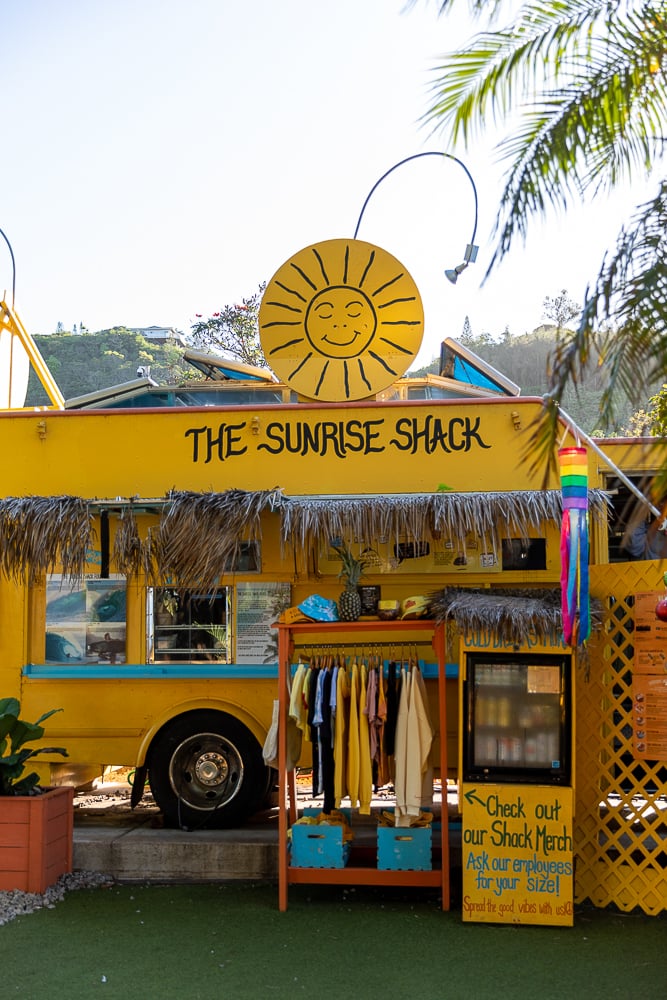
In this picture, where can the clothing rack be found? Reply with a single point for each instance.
(399, 651)
(347, 645)
(355, 875)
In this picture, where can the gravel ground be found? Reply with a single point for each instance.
(17, 904)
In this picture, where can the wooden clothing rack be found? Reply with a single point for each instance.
(328, 633)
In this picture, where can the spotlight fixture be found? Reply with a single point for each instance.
(469, 257)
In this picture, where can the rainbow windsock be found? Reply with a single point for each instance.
(573, 464)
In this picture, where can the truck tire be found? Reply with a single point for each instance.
(206, 770)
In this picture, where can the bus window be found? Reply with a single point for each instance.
(85, 622)
(183, 625)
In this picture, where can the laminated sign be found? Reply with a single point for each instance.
(517, 854)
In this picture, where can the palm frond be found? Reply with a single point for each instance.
(498, 70)
(201, 534)
(37, 533)
(631, 290)
(509, 613)
(316, 521)
(592, 104)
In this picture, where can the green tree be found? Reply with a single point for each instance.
(560, 309)
(582, 86)
(90, 361)
(652, 421)
(234, 329)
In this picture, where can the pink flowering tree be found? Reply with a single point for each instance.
(234, 330)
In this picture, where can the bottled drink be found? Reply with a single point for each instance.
(542, 753)
(552, 748)
(504, 712)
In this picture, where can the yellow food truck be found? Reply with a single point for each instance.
(151, 537)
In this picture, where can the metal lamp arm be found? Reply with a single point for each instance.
(471, 250)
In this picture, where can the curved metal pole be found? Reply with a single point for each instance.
(11, 252)
(416, 156)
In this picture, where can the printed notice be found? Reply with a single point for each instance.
(649, 679)
(258, 607)
(649, 716)
(650, 634)
(518, 861)
(543, 679)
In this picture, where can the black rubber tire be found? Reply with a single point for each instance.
(206, 770)
(266, 802)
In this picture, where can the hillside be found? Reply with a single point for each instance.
(524, 359)
(82, 363)
(86, 362)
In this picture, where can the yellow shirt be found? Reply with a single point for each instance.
(353, 741)
(296, 705)
(365, 766)
(340, 736)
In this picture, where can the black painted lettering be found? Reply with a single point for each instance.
(458, 441)
(354, 439)
(403, 429)
(194, 433)
(234, 439)
(472, 432)
(214, 442)
(439, 437)
(275, 443)
(372, 435)
(310, 437)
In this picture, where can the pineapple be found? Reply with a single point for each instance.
(349, 602)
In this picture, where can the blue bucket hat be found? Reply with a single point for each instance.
(320, 609)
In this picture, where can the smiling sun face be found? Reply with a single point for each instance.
(341, 320)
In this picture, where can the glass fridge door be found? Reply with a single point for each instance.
(517, 725)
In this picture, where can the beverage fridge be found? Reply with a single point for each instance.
(517, 718)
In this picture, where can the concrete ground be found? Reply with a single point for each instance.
(133, 846)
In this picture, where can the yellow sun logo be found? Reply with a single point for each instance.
(341, 320)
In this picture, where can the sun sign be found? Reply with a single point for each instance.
(341, 320)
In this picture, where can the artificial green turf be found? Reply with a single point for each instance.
(230, 941)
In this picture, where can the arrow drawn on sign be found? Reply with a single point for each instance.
(471, 797)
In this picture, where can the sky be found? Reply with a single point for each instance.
(161, 158)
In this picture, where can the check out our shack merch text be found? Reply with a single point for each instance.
(518, 854)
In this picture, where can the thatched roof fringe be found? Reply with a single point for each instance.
(39, 532)
(133, 555)
(513, 615)
(422, 515)
(199, 535)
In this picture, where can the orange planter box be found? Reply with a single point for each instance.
(36, 839)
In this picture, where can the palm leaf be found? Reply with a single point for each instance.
(37, 533)
(583, 74)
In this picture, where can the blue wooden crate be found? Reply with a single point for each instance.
(404, 848)
(318, 846)
(318, 811)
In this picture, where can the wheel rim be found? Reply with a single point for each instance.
(206, 771)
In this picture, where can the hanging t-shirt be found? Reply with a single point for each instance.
(340, 736)
(353, 738)
(401, 750)
(365, 767)
(419, 741)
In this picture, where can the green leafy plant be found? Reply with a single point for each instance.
(169, 601)
(14, 734)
